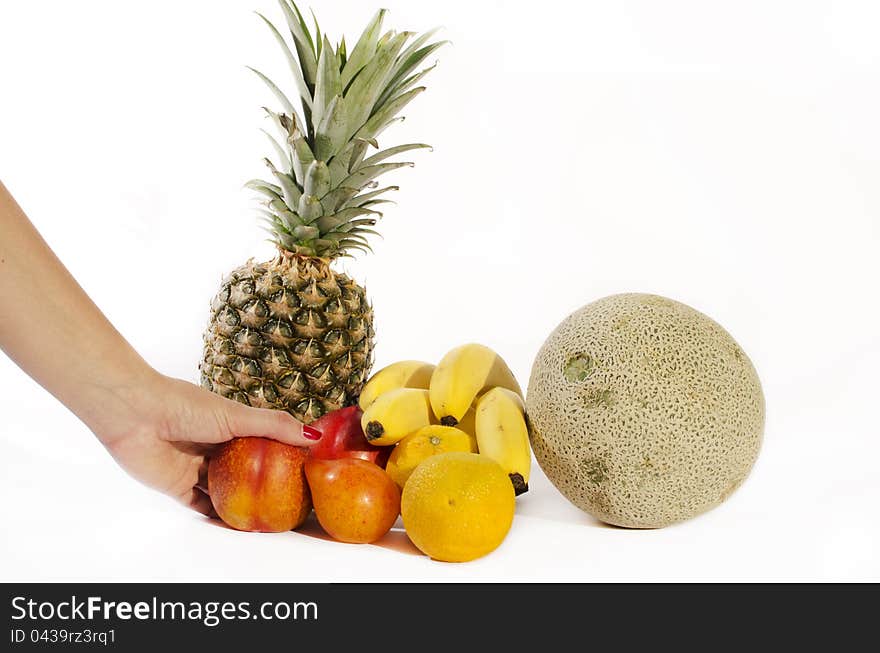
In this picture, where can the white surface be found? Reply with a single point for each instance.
(723, 154)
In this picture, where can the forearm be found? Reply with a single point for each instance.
(50, 327)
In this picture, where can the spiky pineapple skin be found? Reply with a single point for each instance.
(290, 334)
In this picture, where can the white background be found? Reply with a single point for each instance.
(723, 154)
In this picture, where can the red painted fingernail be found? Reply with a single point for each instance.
(311, 433)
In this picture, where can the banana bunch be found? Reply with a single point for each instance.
(472, 388)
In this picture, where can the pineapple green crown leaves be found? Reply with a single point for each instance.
(321, 201)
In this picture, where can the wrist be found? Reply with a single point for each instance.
(118, 407)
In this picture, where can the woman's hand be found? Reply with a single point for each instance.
(163, 432)
(159, 429)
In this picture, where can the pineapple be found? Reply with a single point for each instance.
(292, 333)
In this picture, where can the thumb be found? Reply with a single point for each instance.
(244, 421)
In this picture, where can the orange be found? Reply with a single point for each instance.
(426, 442)
(457, 506)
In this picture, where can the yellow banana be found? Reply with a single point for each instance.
(395, 414)
(503, 436)
(462, 375)
(468, 422)
(403, 374)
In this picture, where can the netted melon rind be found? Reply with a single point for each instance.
(643, 411)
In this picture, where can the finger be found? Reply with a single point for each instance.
(202, 483)
(245, 421)
(198, 449)
(201, 502)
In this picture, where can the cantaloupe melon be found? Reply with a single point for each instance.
(643, 411)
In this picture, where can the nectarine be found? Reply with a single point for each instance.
(343, 437)
(355, 500)
(257, 484)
